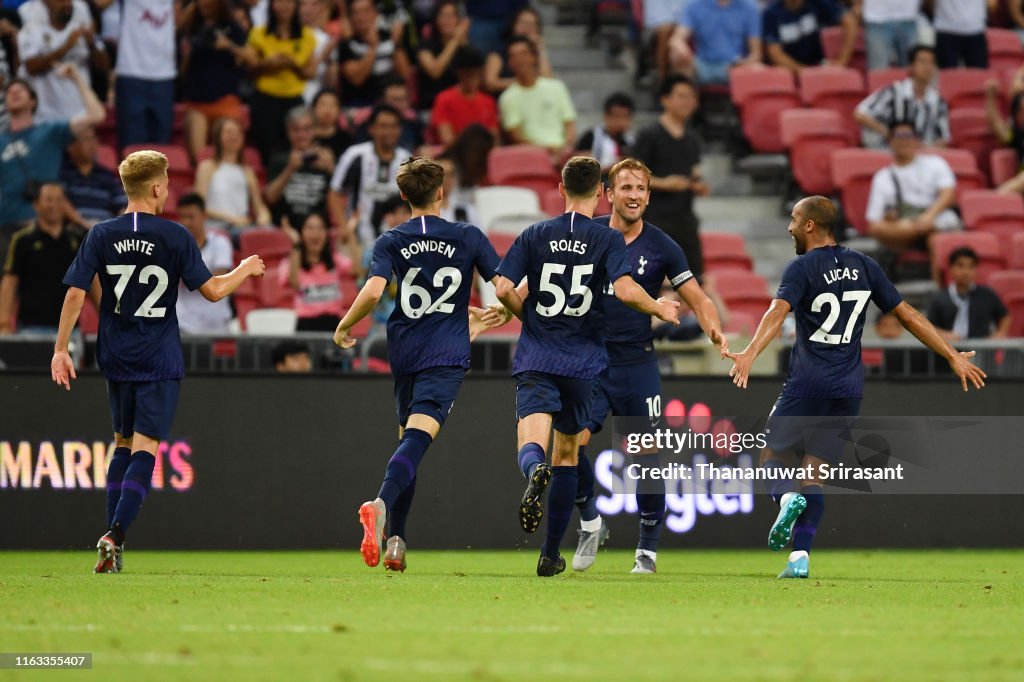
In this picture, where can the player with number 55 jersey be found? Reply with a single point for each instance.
(139, 258)
(428, 338)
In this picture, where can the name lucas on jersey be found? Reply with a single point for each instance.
(835, 274)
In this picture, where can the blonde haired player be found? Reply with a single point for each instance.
(139, 258)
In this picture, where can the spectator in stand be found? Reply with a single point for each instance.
(965, 309)
(314, 271)
(314, 15)
(395, 211)
(672, 151)
(299, 177)
(291, 357)
(488, 19)
(464, 104)
(912, 198)
(196, 315)
(328, 132)
(1009, 132)
(660, 23)
(960, 32)
(469, 151)
(536, 110)
(146, 72)
(94, 193)
(396, 95)
(792, 32)
(368, 57)
(213, 51)
(890, 31)
(227, 184)
(279, 55)
(725, 34)
(32, 152)
(914, 99)
(455, 207)
(498, 71)
(39, 255)
(46, 45)
(366, 176)
(437, 52)
(614, 139)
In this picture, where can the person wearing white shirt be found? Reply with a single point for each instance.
(146, 71)
(196, 315)
(960, 32)
(890, 31)
(911, 199)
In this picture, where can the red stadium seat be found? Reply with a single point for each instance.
(1006, 283)
(501, 241)
(271, 244)
(837, 89)
(179, 167)
(522, 165)
(725, 251)
(968, 177)
(761, 93)
(106, 156)
(966, 87)
(1015, 305)
(552, 203)
(989, 211)
(811, 135)
(969, 130)
(1003, 165)
(880, 78)
(742, 291)
(852, 171)
(1016, 255)
(991, 255)
(832, 45)
(1004, 49)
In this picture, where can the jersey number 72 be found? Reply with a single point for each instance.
(124, 275)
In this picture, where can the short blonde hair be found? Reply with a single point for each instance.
(139, 170)
(628, 164)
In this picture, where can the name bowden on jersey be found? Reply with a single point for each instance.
(140, 245)
(571, 246)
(428, 246)
(835, 274)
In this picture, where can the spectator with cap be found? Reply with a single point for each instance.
(94, 192)
(966, 309)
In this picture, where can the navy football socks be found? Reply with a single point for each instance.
(585, 500)
(531, 456)
(134, 488)
(807, 524)
(561, 497)
(652, 513)
(400, 512)
(403, 464)
(116, 468)
(777, 487)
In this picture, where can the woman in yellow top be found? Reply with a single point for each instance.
(280, 56)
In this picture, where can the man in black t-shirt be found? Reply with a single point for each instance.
(966, 310)
(299, 177)
(365, 59)
(37, 259)
(672, 152)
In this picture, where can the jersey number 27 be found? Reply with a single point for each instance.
(824, 335)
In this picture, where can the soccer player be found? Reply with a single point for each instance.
(140, 258)
(827, 287)
(631, 385)
(428, 338)
(568, 262)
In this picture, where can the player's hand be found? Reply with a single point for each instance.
(967, 370)
(740, 371)
(254, 266)
(700, 188)
(496, 315)
(719, 340)
(668, 310)
(477, 325)
(62, 369)
(342, 339)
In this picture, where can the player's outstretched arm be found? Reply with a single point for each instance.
(509, 295)
(918, 325)
(768, 329)
(221, 286)
(365, 302)
(706, 311)
(634, 296)
(62, 369)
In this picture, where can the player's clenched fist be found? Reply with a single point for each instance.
(255, 266)
(342, 338)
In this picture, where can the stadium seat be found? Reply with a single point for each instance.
(501, 241)
(880, 78)
(270, 243)
(1015, 259)
(1015, 305)
(811, 135)
(741, 323)
(970, 130)
(1004, 49)
(497, 202)
(991, 254)
(106, 156)
(852, 171)
(989, 211)
(724, 250)
(1007, 283)
(760, 94)
(742, 291)
(522, 165)
(271, 321)
(179, 167)
(837, 89)
(968, 177)
(832, 45)
(966, 87)
(1003, 165)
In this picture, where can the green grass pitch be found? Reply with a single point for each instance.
(707, 615)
